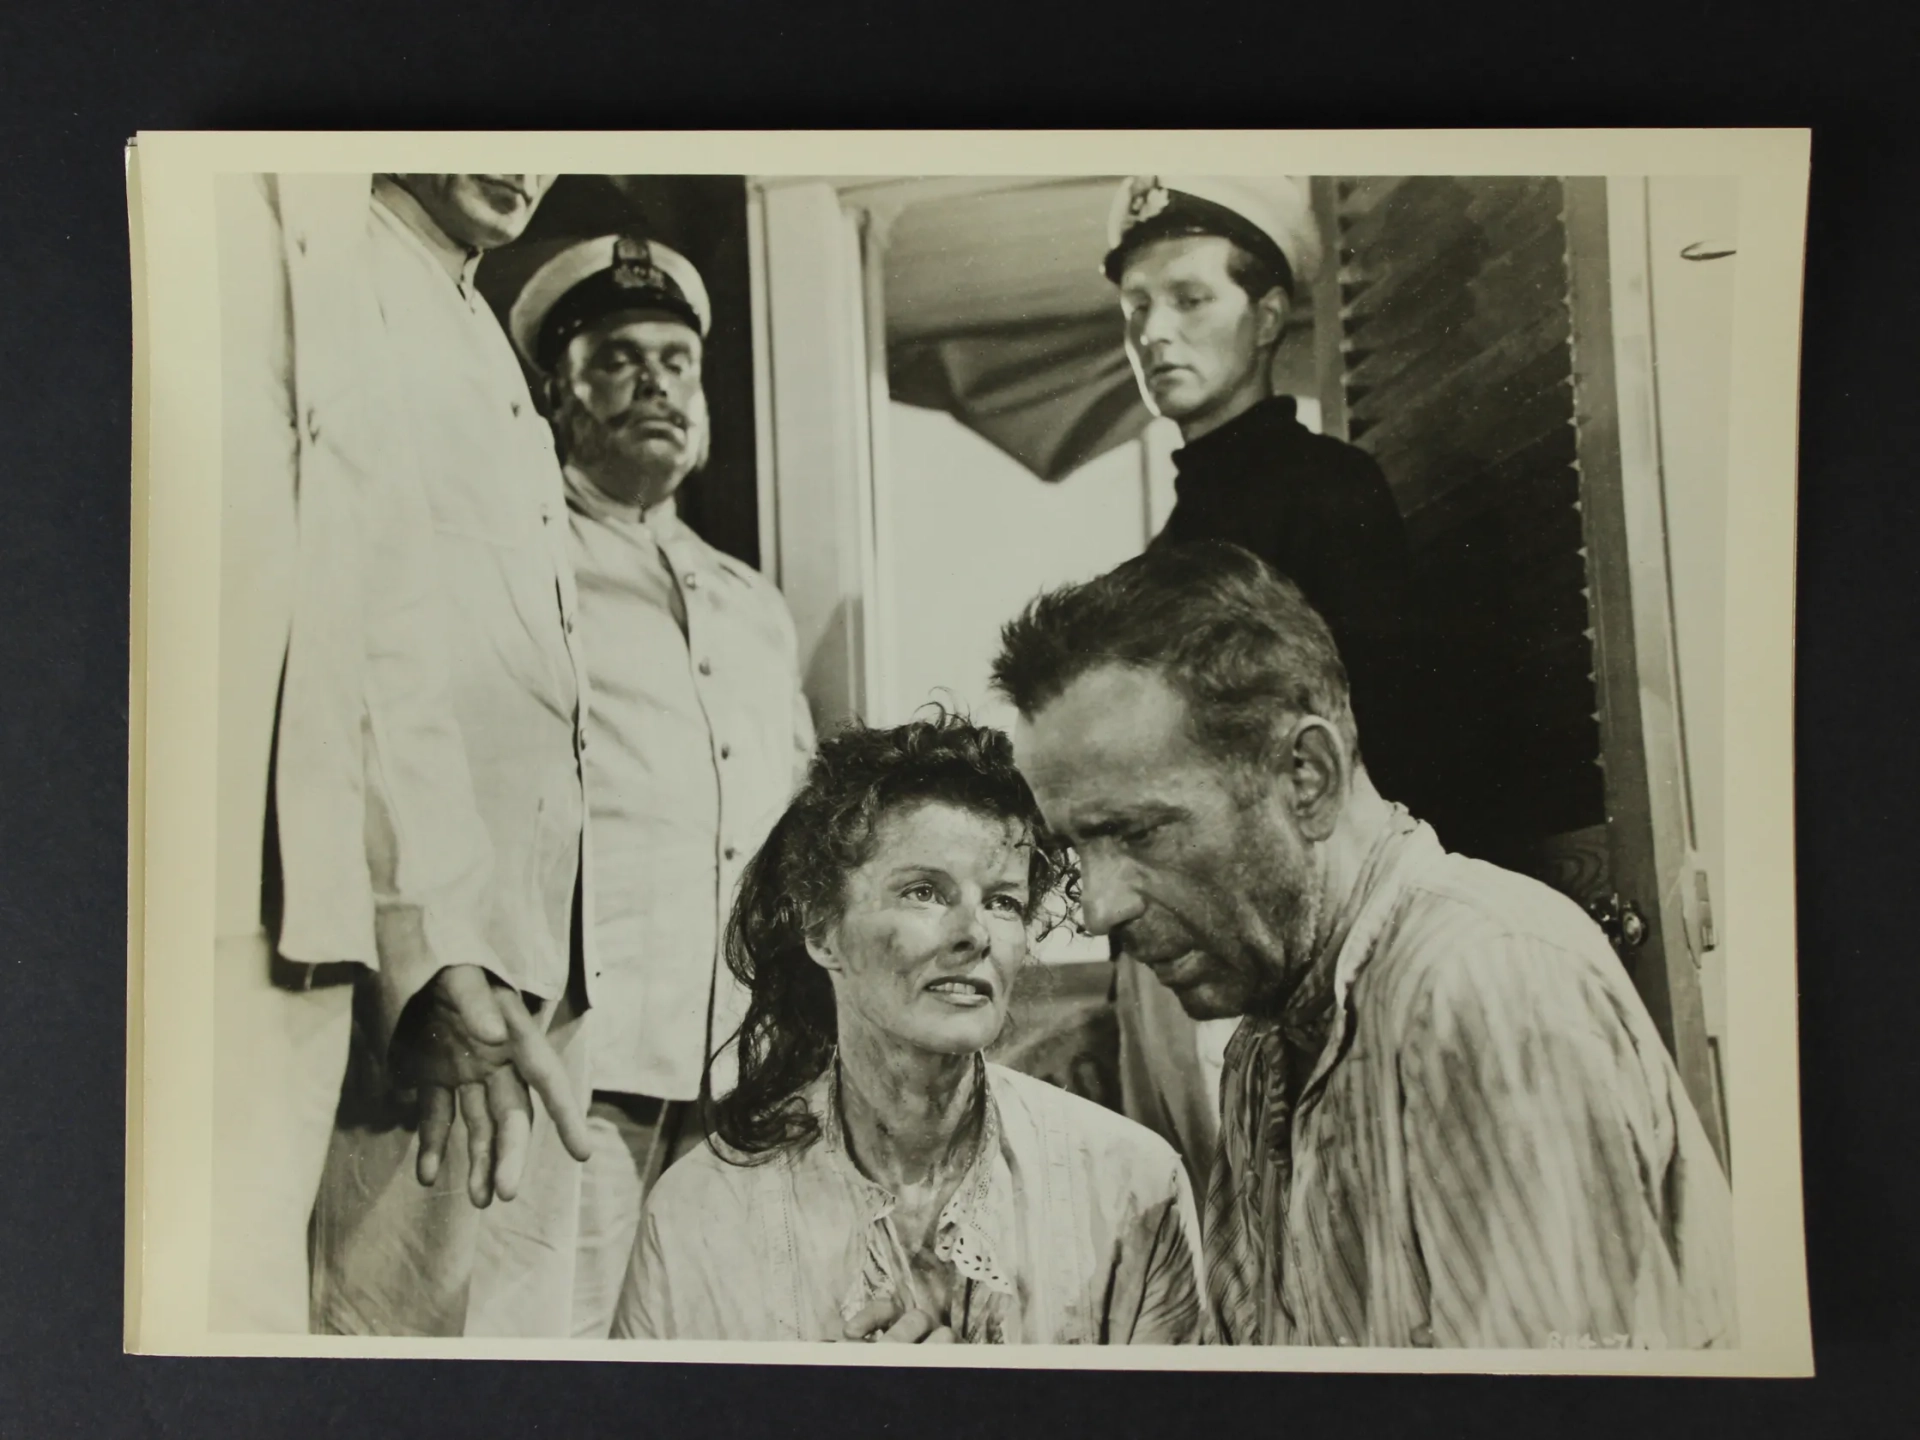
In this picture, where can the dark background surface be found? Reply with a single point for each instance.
(76, 81)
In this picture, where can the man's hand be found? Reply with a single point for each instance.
(887, 1321)
(475, 1047)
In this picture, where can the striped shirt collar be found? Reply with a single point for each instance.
(1260, 1099)
(1402, 844)
(1304, 1018)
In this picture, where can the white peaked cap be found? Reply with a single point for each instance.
(1276, 208)
(625, 272)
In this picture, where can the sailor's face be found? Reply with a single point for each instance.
(631, 406)
(1195, 337)
(480, 212)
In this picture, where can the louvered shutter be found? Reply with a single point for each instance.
(1456, 366)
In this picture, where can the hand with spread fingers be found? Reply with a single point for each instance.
(887, 1321)
(469, 1045)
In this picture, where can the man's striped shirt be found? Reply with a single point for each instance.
(1493, 1148)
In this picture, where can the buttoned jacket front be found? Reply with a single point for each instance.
(335, 690)
(699, 737)
(504, 586)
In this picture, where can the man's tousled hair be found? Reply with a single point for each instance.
(1235, 638)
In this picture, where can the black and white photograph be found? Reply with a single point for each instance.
(742, 763)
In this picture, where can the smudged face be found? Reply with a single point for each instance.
(629, 405)
(1198, 342)
(480, 212)
(932, 931)
(1194, 869)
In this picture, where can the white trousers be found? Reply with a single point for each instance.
(394, 1257)
(278, 1058)
(635, 1137)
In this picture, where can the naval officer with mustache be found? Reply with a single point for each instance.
(698, 732)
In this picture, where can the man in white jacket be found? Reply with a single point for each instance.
(349, 838)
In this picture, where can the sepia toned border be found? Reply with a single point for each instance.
(174, 680)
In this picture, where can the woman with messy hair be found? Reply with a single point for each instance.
(871, 1176)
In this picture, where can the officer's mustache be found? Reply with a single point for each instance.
(654, 415)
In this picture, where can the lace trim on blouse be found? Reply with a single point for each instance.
(960, 1238)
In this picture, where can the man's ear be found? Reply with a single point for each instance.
(1270, 317)
(1320, 771)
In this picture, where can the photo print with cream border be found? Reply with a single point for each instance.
(1153, 750)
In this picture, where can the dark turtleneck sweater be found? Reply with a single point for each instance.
(1320, 512)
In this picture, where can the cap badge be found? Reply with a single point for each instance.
(633, 267)
(1148, 198)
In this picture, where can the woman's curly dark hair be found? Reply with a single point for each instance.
(796, 886)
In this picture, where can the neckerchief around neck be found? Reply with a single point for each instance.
(1271, 1065)
(1304, 1019)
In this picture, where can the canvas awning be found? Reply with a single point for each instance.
(998, 314)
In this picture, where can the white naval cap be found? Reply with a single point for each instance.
(600, 277)
(1270, 216)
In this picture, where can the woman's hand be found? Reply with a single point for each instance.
(886, 1320)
